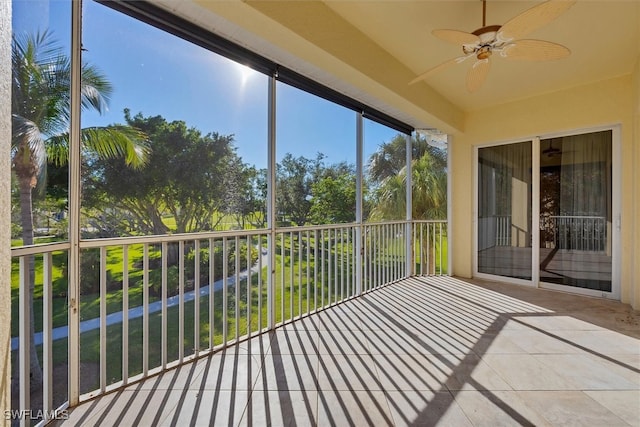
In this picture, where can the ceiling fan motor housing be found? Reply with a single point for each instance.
(487, 36)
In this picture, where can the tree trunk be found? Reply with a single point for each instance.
(26, 217)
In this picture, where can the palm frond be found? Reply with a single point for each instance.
(96, 89)
(118, 141)
(58, 149)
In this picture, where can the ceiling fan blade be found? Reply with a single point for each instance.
(532, 19)
(439, 67)
(477, 74)
(534, 50)
(456, 37)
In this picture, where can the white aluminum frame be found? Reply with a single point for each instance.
(616, 178)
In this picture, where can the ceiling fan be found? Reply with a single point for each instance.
(504, 40)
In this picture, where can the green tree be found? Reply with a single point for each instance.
(333, 195)
(189, 175)
(41, 80)
(294, 178)
(253, 204)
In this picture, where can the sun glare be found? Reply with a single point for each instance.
(244, 72)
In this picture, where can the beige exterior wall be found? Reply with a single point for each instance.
(5, 215)
(635, 276)
(608, 102)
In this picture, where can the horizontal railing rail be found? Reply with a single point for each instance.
(148, 303)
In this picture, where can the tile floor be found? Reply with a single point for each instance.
(424, 351)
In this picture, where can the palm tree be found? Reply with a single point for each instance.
(41, 106)
(390, 158)
(429, 184)
(429, 191)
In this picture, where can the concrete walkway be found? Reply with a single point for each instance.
(135, 312)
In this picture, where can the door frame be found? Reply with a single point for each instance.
(616, 205)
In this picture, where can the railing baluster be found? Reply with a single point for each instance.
(308, 262)
(322, 268)
(336, 266)
(315, 269)
(225, 274)
(164, 340)
(181, 301)
(439, 249)
(47, 327)
(329, 268)
(103, 319)
(125, 314)
(423, 258)
(236, 305)
(299, 274)
(212, 292)
(145, 309)
(196, 298)
(249, 286)
(259, 283)
(282, 275)
(24, 331)
(342, 268)
(396, 253)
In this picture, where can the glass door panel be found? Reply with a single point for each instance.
(504, 210)
(576, 211)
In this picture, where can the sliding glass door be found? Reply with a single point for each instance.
(576, 211)
(546, 212)
(504, 210)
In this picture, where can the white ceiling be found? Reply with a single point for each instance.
(391, 42)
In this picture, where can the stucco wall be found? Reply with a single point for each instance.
(636, 186)
(604, 103)
(5, 203)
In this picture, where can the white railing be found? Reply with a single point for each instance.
(430, 247)
(503, 230)
(37, 258)
(384, 254)
(580, 233)
(495, 230)
(151, 303)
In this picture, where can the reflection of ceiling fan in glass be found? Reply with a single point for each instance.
(505, 40)
(551, 151)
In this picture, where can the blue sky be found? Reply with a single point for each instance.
(155, 73)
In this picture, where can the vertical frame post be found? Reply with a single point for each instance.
(74, 204)
(449, 207)
(409, 262)
(359, 200)
(271, 202)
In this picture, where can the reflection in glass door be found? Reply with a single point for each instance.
(576, 211)
(504, 210)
